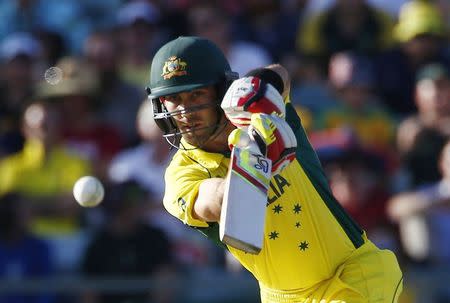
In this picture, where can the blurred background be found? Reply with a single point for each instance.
(370, 80)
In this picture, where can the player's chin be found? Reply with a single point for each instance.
(197, 138)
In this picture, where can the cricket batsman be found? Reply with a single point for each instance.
(312, 250)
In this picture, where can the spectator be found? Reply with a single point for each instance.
(271, 24)
(44, 172)
(139, 32)
(346, 25)
(145, 164)
(19, 57)
(433, 98)
(37, 169)
(22, 255)
(390, 6)
(421, 136)
(208, 21)
(421, 33)
(118, 100)
(423, 215)
(126, 247)
(358, 179)
(355, 106)
(308, 85)
(82, 131)
(19, 53)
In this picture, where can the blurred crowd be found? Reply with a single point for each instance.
(370, 80)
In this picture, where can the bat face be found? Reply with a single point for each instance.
(244, 205)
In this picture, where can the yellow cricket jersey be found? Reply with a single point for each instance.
(33, 173)
(307, 233)
(39, 175)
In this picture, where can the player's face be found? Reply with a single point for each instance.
(198, 115)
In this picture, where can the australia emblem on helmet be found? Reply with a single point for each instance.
(174, 67)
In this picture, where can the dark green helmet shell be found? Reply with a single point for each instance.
(187, 63)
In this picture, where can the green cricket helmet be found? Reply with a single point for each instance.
(184, 64)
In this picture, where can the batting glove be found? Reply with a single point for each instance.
(250, 95)
(248, 161)
(275, 139)
(240, 138)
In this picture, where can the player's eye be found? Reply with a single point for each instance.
(170, 98)
(198, 93)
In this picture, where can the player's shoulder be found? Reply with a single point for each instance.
(182, 159)
(179, 161)
(197, 157)
(195, 163)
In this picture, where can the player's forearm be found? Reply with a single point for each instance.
(208, 205)
(408, 204)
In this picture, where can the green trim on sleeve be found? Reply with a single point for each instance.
(212, 233)
(308, 159)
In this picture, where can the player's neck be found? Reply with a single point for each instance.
(219, 143)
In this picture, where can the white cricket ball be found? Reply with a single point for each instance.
(53, 75)
(88, 191)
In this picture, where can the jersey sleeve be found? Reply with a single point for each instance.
(182, 186)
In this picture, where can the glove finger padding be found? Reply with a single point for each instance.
(250, 163)
(241, 139)
(277, 137)
(250, 95)
(238, 138)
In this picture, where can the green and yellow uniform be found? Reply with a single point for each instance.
(43, 175)
(313, 251)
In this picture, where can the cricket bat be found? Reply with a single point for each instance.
(242, 217)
